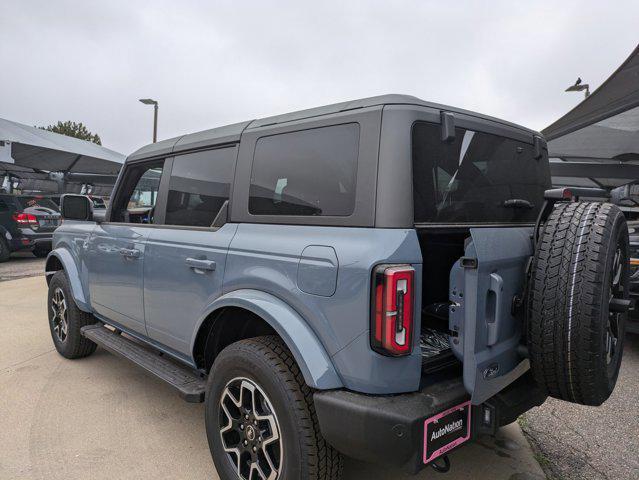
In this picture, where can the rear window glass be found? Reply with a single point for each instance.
(477, 178)
(310, 172)
(28, 202)
(98, 202)
(200, 184)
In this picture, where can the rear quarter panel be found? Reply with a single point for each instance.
(267, 258)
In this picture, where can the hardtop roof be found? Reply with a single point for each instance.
(231, 133)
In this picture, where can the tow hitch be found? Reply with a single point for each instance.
(441, 468)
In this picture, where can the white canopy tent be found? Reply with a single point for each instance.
(33, 153)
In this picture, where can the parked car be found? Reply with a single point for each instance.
(98, 202)
(385, 279)
(27, 222)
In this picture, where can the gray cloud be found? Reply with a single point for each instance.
(211, 63)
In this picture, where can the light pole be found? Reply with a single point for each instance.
(578, 87)
(149, 101)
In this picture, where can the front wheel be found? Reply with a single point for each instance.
(66, 320)
(260, 416)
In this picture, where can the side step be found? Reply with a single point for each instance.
(187, 382)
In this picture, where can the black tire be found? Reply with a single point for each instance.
(582, 249)
(5, 252)
(41, 252)
(68, 341)
(267, 363)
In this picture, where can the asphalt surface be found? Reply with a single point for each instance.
(21, 264)
(103, 418)
(577, 442)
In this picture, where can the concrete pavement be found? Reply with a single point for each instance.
(21, 264)
(584, 443)
(103, 418)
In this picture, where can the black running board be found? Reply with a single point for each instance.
(189, 384)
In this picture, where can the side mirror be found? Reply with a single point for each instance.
(76, 207)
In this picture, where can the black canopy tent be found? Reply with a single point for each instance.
(596, 144)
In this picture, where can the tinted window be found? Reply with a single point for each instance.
(145, 193)
(3, 206)
(312, 172)
(200, 184)
(471, 179)
(135, 202)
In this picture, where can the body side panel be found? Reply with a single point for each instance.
(176, 294)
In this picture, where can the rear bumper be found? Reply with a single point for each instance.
(389, 430)
(30, 240)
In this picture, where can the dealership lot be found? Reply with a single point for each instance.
(578, 442)
(101, 417)
(21, 264)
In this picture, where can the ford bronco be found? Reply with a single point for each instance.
(384, 279)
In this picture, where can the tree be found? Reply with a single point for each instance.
(73, 129)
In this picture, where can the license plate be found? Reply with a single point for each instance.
(48, 222)
(446, 430)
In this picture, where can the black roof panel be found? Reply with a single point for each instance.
(232, 133)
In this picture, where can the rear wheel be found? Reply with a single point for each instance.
(260, 416)
(576, 323)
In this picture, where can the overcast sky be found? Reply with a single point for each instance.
(210, 63)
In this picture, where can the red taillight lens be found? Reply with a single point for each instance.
(25, 219)
(392, 309)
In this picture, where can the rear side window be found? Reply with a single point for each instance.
(310, 172)
(477, 178)
(200, 183)
(3, 206)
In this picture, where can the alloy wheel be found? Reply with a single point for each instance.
(60, 315)
(616, 291)
(250, 431)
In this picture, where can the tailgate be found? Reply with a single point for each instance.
(487, 328)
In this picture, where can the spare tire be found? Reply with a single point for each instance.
(575, 338)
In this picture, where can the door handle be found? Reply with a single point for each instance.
(130, 252)
(200, 264)
(496, 286)
(82, 243)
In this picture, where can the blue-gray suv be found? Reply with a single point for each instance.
(384, 279)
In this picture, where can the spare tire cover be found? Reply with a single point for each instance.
(574, 335)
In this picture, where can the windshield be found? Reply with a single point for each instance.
(477, 178)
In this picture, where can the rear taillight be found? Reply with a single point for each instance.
(25, 219)
(392, 309)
